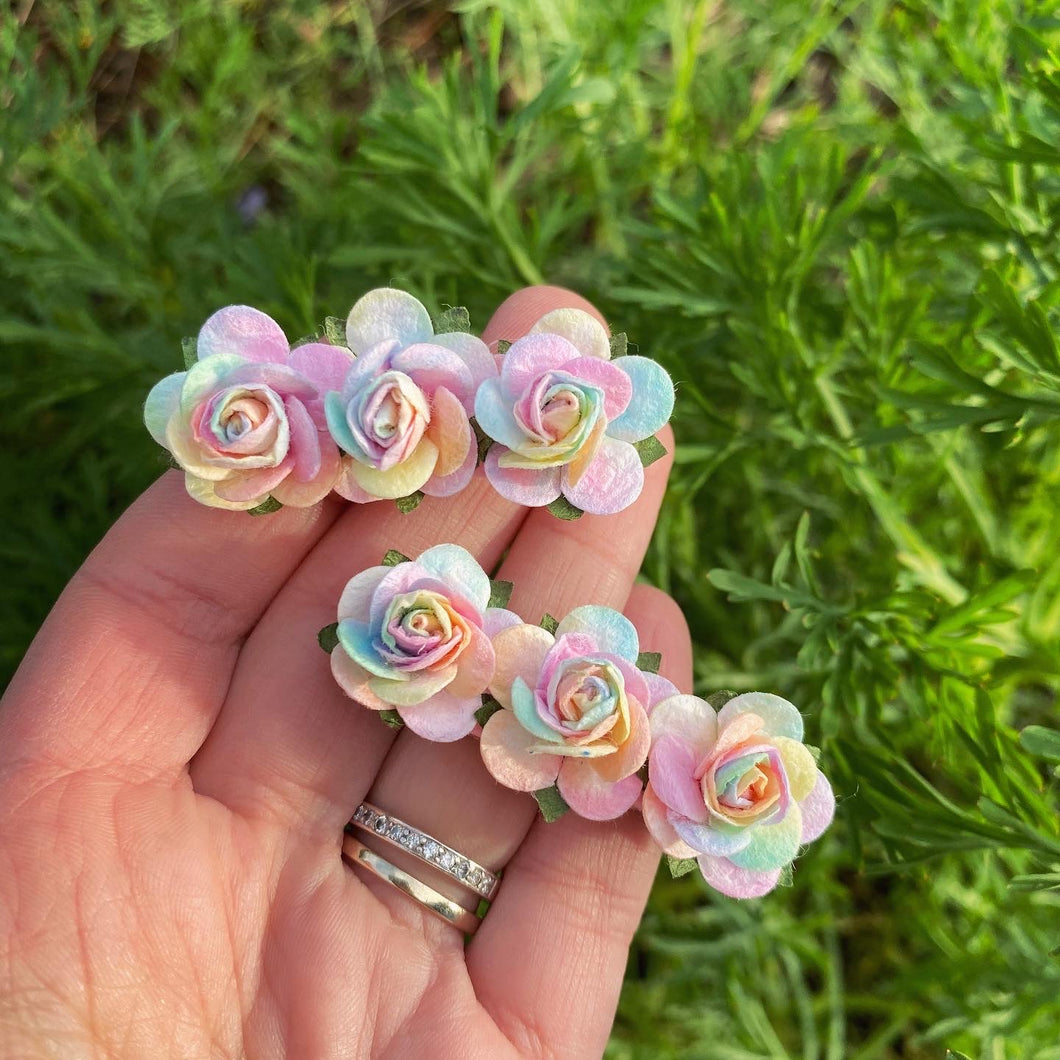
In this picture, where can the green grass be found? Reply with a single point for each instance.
(837, 225)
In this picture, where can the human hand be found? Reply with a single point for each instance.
(177, 766)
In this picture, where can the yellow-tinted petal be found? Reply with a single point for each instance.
(401, 479)
(799, 766)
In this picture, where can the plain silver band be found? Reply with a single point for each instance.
(428, 849)
(451, 912)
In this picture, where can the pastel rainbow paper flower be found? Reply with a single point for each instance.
(415, 637)
(402, 412)
(735, 789)
(246, 421)
(564, 416)
(575, 711)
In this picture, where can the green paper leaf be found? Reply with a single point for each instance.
(334, 329)
(549, 623)
(787, 876)
(649, 450)
(649, 661)
(409, 503)
(619, 345)
(500, 593)
(393, 558)
(680, 866)
(503, 346)
(718, 699)
(188, 351)
(553, 804)
(391, 718)
(489, 707)
(455, 318)
(562, 508)
(267, 507)
(815, 751)
(483, 441)
(328, 637)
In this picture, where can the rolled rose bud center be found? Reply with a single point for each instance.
(745, 787)
(550, 410)
(244, 421)
(390, 418)
(422, 630)
(588, 704)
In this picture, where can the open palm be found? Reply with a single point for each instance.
(177, 766)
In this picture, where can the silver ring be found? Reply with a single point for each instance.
(428, 849)
(451, 912)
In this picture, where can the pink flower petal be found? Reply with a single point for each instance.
(611, 483)
(589, 795)
(324, 365)
(498, 618)
(735, 882)
(282, 379)
(818, 809)
(354, 680)
(657, 820)
(305, 441)
(447, 485)
(531, 355)
(475, 354)
(474, 668)
(671, 770)
(243, 330)
(259, 482)
(615, 384)
(659, 688)
(741, 728)
(534, 489)
(690, 719)
(442, 718)
(504, 745)
(520, 651)
(369, 363)
(430, 367)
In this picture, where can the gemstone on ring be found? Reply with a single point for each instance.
(392, 829)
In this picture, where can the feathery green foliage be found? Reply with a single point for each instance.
(837, 225)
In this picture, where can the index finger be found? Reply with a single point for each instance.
(134, 660)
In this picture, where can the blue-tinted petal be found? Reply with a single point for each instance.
(652, 403)
(614, 632)
(356, 641)
(455, 565)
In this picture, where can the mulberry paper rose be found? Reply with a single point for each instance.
(564, 416)
(575, 711)
(416, 637)
(736, 789)
(246, 421)
(402, 412)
